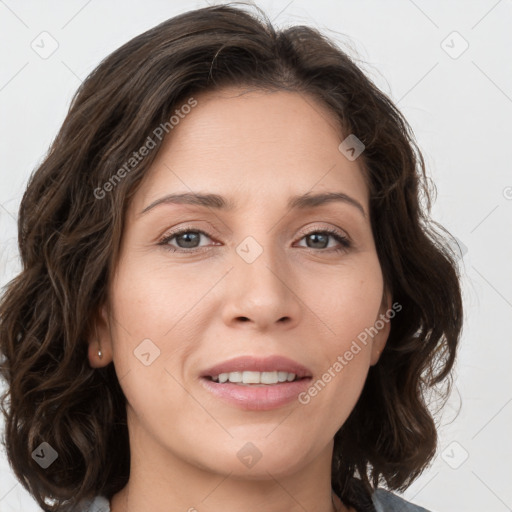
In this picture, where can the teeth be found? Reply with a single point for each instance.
(248, 377)
(268, 378)
(234, 376)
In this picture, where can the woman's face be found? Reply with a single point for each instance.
(264, 282)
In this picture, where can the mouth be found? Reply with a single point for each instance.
(253, 378)
(258, 384)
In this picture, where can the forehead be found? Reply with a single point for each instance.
(253, 145)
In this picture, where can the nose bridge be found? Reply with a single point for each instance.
(260, 290)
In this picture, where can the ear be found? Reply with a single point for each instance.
(99, 337)
(383, 324)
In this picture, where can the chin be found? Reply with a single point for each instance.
(255, 459)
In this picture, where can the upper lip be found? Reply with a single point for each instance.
(258, 364)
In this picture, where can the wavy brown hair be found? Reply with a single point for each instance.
(70, 231)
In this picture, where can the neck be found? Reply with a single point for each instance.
(159, 478)
(128, 501)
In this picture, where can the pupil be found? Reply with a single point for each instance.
(316, 236)
(188, 236)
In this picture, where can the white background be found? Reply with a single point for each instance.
(460, 110)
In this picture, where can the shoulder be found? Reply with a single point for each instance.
(98, 504)
(385, 501)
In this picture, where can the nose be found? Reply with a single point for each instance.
(260, 294)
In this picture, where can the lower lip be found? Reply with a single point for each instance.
(257, 397)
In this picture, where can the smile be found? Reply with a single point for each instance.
(251, 378)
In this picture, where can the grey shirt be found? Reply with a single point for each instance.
(383, 501)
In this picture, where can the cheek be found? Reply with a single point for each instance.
(154, 301)
(349, 301)
(151, 337)
(348, 309)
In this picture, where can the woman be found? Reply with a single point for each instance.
(231, 295)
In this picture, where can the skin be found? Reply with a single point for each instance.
(257, 149)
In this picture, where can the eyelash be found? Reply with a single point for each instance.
(345, 243)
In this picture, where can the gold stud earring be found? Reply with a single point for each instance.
(100, 353)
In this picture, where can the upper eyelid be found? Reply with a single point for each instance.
(303, 232)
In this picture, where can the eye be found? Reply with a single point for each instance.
(321, 237)
(188, 240)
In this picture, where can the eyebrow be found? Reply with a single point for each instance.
(300, 202)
